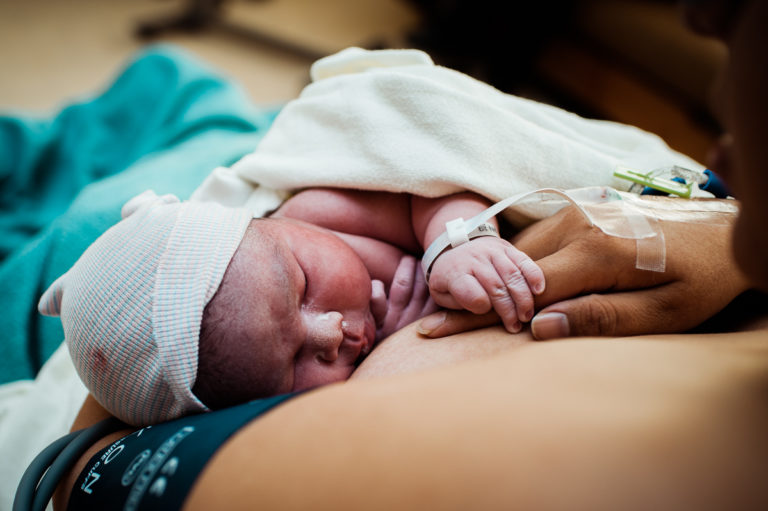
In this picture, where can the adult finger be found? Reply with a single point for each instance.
(449, 322)
(549, 235)
(580, 268)
(646, 311)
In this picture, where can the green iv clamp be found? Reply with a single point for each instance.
(674, 180)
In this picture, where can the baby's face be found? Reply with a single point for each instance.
(292, 312)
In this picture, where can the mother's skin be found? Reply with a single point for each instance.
(644, 422)
(641, 423)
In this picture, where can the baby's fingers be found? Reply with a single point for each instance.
(378, 301)
(533, 274)
(507, 291)
(481, 289)
(462, 292)
(402, 288)
(510, 284)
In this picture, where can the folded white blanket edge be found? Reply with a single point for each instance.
(392, 120)
(34, 413)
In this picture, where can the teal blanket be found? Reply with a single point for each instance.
(164, 124)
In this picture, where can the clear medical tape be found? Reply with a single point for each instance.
(624, 219)
(617, 214)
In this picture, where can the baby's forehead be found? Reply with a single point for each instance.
(259, 272)
(270, 254)
(254, 311)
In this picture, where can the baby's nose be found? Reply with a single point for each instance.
(326, 334)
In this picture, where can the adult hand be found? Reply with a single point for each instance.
(594, 288)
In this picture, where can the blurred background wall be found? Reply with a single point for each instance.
(630, 61)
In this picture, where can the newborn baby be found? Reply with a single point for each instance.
(184, 307)
(303, 296)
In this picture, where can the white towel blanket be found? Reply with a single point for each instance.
(34, 413)
(392, 120)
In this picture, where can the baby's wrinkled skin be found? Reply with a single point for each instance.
(302, 302)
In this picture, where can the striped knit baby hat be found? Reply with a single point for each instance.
(132, 305)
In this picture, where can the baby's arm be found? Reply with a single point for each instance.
(375, 224)
(483, 274)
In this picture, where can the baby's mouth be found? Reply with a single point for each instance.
(360, 336)
(369, 335)
(367, 340)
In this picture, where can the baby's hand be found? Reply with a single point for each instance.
(487, 273)
(408, 299)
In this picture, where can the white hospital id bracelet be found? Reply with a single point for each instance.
(462, 231)
(455, 234)
(484, 229)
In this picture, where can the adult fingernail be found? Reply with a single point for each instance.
(550, 325)
(431, 323)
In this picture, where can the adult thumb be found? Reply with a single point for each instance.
(613, 314)
(449, 322)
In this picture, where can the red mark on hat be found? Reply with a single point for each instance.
(99, 360)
